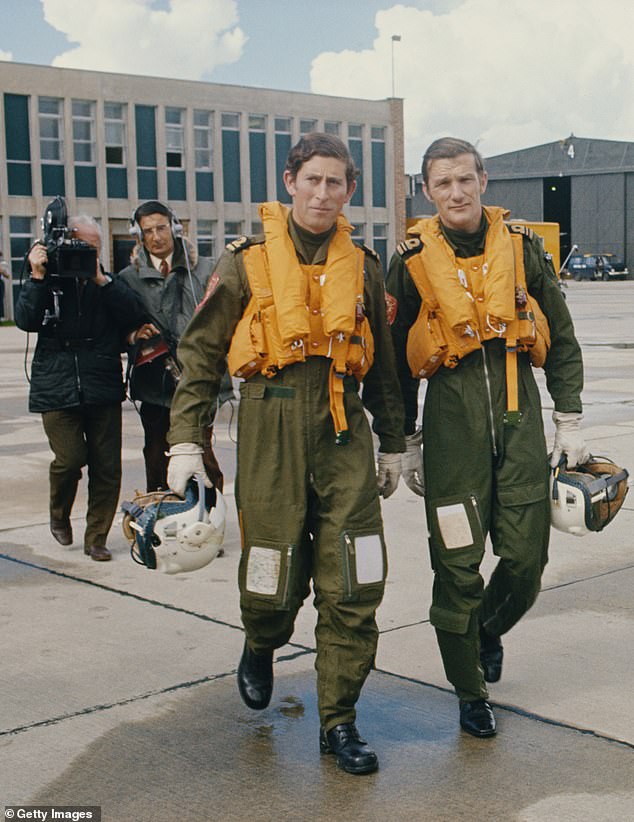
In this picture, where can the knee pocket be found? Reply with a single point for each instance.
(456, 533)
(454, 622)
(267, 575)
(363, 566)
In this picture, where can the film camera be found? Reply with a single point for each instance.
(67, 257)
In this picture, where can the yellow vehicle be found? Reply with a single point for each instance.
(549, 232)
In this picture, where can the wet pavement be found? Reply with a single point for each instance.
(118, 684)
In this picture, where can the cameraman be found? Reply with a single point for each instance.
(170, 278)
(76, 381)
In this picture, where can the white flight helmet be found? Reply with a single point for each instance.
(588, 497)
(174, 535)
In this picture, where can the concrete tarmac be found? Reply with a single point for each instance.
(118, 683)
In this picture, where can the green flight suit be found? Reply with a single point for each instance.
(484, 476)
(307, 506)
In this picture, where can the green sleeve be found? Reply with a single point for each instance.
(564, 364)
(202, 351)
(401, 288)
(381, 395)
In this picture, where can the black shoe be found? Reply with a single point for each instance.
(491, 655)
(97, 552)
(61, 530)
(255, 678)
(354, 755)
(476, 718)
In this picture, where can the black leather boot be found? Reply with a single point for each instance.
(354, 755)
(476, 718)
(255, 678)
(491, 655)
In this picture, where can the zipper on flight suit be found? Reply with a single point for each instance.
(474, 505)
(347, 558)
(287, 580)
(487, 382)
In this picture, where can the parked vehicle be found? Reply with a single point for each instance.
(597, 267)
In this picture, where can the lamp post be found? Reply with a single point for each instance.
(396, 38)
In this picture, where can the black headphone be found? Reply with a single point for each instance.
(175, 224)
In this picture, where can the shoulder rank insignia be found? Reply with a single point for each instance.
(408, 247)
(240, 243)
(520, 228)
(369, 251)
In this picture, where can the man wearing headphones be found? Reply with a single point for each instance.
(167, 273)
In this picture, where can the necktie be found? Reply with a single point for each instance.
(164, 269)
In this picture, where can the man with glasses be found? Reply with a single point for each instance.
(167, 273)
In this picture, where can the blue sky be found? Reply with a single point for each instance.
(275, 29)
(505, 74)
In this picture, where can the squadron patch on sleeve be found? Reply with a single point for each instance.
(391, 308)
(212, 285)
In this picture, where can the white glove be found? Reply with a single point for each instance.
(186, 461)
(388, 473)
(412, 463)
(568, 440)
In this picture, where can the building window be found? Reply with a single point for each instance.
(283, 125)
(332, 127)
(233, 230)
(377, 134)
(355, 144)
(203, 155)
(83, 131)
(114, 122)
(51, 119)
(174, 138)
(20, 238)
(51, 129)
(358, 232)
(257, 227)
(306, 126)
(203, 140)
(282, 147)
(18, 147)
(379, 242)
(230, 124)
(257, 157)
(145, 125)
(205, 238)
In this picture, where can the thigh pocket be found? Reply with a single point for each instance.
(456, 525)
(265, 574)
(364, 566)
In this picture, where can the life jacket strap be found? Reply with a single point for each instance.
(336, 390)
(512, 415)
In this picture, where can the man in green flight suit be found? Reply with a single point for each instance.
(300, 313)
(465, 293)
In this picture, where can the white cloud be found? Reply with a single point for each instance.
(6, 55)
(504, 73)
(177, 38)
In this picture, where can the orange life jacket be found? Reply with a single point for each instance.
(472, 300)
(297, 310)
